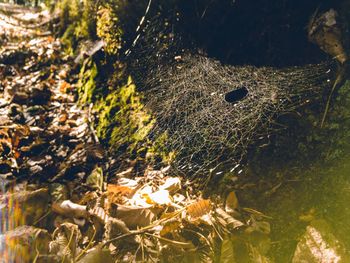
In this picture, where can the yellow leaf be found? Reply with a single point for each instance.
(231, 202)
(199, 208)
(170, 227)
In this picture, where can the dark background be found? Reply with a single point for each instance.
(258, 32)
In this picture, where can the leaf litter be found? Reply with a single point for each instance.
(56, 201)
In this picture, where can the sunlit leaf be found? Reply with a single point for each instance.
(172, 184)
(199, 208)
(160, 197)
(119, 190)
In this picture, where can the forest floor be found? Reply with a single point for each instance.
(55, 203)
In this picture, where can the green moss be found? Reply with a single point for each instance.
(89, 20)
(124, 121)
(159, 149)
(77, 22)
(87, 82)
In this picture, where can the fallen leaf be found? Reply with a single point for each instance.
(231, 202)
(63, 118)
(199, 208)
(95, 179)
(135, 217)
(161, 197)
(119, 190)
(69, 209)
(65, 86)
(170, 227)
(172, 184)
(229, 220)
(66, 241)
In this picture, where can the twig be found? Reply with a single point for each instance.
(67, 247)
(144, 229)
(87, 247)
(41, 218)
(337, 83)
(37, 252)
(173, 242)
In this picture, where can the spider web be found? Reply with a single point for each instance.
(187, 93)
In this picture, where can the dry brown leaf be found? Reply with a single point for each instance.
(135, 216)
(229, 221)
(65, 86)
(170, 227)
(16, 154)
(66, 239)
(119, 190)
(169, 215)
(4, 133)
(50, 39)
(5, 146)
(20, 132)
(231, 202)
(117, 194)
(199, 208)
(51, 81)
(63, 118)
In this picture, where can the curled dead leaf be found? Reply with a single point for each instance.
(134, 217)
(66, 241)
(229, 221)
(69, 209)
